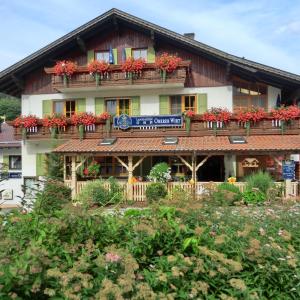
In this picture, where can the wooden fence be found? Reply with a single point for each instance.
(201, 188)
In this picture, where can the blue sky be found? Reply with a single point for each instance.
(264, 31)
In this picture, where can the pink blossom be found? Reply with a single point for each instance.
(111, 257)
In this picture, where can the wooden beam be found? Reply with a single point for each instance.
(139, 162)
(81, 44)
(202, 162)
(277, 160)
(228, 71)
(82, 162)
(121, 162)
(186, 163)
(153, 39)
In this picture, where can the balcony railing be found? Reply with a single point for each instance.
(116, 77)
(198, 128)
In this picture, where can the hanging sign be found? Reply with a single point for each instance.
(124, 121)
(288, 169)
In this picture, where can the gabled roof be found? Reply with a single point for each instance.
(10, 73)
(7, 137)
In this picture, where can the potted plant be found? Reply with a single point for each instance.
(98, 69)
(81, 120)
(92, 170)
(133, 67)
(285, 115)
(252, 116)
(216, 118)
(26, 123)
(167, 63)
(55, 123)
(66, 69)
(105, 116)
(188, 115)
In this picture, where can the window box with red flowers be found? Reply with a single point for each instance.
(188, 116)
(55, 123)
(27, 123)
(133, 67)
(99, 70)
(166, 64)
(66, 69)
(247, 118)
(83, 121)
(216, 118)
(285, 115)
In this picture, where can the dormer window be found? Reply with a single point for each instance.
(102, 55)
(139, 53)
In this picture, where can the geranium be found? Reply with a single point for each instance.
(167, 62)
(65, 67)
(217, 115)
(286, 113)
(105, 116)
(190, 114)
(26, 121)
(98, 66)
(83, 119)
(55, 120)
(132, 65)
(253, 115)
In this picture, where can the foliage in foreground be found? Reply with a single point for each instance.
(10, 107)
(168, 251)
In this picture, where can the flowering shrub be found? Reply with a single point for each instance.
(132, 65)
(161, 172)
(286, 113)
(93, 169)
(55, 120)
(167, 62)
(105, 116)
(26, 121)
(253, 115)
(217, 115)
(83, 118)
(98, 66)
(65, 67)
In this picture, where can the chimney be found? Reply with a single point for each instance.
(190, 35)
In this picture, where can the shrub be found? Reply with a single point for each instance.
(225, 194)
(53, 197)
(260, 180)
(254, 197)
(156, 191)
(160, 173)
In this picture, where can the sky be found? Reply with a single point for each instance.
(265, 31)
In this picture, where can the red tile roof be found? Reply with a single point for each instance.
(7, 138)
(261, 143)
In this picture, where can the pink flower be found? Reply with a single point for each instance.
(112, 257)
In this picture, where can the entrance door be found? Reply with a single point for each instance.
(212, 170)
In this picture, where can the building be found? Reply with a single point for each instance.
(205, 78)
(10, 168)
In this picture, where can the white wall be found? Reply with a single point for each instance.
(272, 96)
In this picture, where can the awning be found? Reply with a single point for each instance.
(206, 144)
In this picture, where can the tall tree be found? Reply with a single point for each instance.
(10, 108)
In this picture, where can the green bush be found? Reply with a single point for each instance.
(53, 197)
(161, 172)
(97, 193)
(260, 180)
(156, 191)
(254, 197)
(225, 194)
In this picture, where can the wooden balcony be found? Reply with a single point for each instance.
(198, 128)
(149, 78)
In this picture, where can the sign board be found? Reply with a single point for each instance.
(288, 169)
(15, 175)
(124, 121)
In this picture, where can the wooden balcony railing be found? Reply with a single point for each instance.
(198, 128)
(116, 76)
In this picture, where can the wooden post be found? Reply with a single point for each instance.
(194, 177)
(73, 177)
(130, 176)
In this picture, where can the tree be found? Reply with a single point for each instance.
(10, 107)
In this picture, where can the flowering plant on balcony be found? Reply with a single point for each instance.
(81, 120)
(248, 117)
(133, 66)
(106, 116)
(188, 115)
(167, 63)
(66, 69)
(26, 123)
(98, 69)
(55, 123)
(285, 115)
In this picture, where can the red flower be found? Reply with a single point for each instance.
(105, 116)
(26, 121)
(55, 121)
(133, 65)
(217, 115)
(286, 113)
(86, 172)
(167, 62)
(190, 113)
(253, 115)
(83, 119)
(98, 66)
(65, 67)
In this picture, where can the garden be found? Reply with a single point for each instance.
(226, 245)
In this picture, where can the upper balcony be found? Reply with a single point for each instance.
(149, 78)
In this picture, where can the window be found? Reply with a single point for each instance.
(110, 166)
(102, 55)
(248, 94)
(181, 103)
(139, 53)
(15, 162)
(118, 106)
(67, 108)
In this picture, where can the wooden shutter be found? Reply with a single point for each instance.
(128, 52)
(99, 106)
(5, 163)
(115, 54)
(47, 107)
(201, 103)
(80, 105)
(135, 106)
(151, 55)
(164, 105)
(41, 166)
(90, 55)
